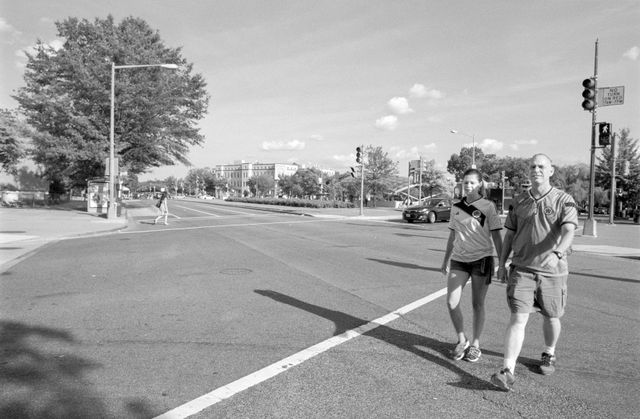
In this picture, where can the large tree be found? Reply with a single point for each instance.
(67, 99)
(12, 148)
(627, 168)
(379, 169)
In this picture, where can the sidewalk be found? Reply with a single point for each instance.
(24, 230)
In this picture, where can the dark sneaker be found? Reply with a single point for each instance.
(503, 379)
(547, 364)
(458, 352)
(473, 354)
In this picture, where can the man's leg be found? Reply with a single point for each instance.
(551, 328)
(513, 339)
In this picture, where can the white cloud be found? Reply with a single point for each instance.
(281, 145)
(632, 53)
(387, 123)
(517, 143)
(412, 153)
(56, 44)
(10, 35)
(420, 91)
(489, 145)
(399, 105)
(5, 27)
(345, 158)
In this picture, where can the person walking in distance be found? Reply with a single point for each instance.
(539, 231)
(163, 206)
(474, 232)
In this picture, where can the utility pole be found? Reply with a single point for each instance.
(612, 206)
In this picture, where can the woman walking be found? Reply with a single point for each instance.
(163, 207)
(474, 233)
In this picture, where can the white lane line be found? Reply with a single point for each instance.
(219, 208)
(195, 210)
(220, 226)
(226, 391)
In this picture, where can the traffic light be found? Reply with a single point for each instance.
(604, 131)
(589, 94)
(353, 172)
(358, 155)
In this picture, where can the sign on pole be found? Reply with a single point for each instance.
(608, 96)
(107, 169)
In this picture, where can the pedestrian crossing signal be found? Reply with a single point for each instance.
(604, 134)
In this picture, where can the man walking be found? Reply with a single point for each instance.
(539, 231)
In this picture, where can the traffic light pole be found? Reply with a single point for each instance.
(590, 223)
(362, 185)
(420, 190)
(612, 206)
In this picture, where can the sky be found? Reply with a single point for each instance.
(308, 81)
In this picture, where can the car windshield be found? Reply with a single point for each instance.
(431, 202)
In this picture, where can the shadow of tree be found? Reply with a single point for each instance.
(437, 351)
(35, 383)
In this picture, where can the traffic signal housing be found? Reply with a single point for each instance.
(358, 155)
(589, 94)
(604, 134)
(353, 172)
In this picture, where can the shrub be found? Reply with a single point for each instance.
(293, 202)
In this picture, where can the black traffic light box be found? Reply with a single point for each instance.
(604, 134)
(589, 94)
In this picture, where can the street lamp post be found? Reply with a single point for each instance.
(473, 150)
(112, 211)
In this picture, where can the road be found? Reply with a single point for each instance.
(145, 321)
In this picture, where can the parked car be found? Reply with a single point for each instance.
(431, 210)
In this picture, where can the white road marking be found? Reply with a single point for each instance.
(226, 391)
(219, 226)
(227, 210)
(195, 210)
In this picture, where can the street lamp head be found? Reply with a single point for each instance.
(453, 131)
(169, 66)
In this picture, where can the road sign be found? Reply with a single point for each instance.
(414, 166)
(608, 96)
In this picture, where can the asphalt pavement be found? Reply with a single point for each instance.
(24, 230)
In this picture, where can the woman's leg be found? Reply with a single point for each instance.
(455, 284)
(479, 289)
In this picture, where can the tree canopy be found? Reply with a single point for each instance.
(67, 100)
(627, 168)
(11, 147)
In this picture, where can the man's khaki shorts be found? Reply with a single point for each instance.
(527, 291)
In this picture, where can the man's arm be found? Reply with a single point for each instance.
(566, 238)
(507, 242)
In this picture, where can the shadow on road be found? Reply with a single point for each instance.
(404, 265)
(404, 340)
(40, 383)
(611, 278)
